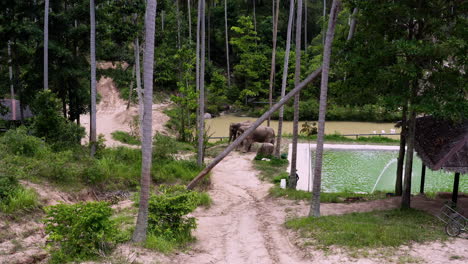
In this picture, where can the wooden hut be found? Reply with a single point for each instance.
(442, 144)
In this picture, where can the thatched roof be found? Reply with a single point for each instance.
(442, 144)
(14, 107)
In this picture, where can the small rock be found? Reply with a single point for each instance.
(207, 116)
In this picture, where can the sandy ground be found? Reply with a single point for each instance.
(245, 225)
(113, 115)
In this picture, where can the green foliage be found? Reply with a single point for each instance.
(370, 230)
(126, 138)
(164, 146)
(167, 213)
(19, 200)
(18, 142)
(174, 171)
(51, 125)
(8, 184)
(80, 231)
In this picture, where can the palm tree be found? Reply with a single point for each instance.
(139, 234)
(273, 56)
(46, 45)
(227, 45)
(201, 98)
(92, 127)
(285, 78)
(297, 80)
(315, 204)
(138, 82)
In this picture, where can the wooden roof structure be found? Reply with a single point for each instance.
(14, 110)
(442, 144)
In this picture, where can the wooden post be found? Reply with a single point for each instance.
(456, 182)
(423, 179)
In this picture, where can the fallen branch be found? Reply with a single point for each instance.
(252, 128)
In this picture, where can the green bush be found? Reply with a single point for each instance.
(80, 231)
(20, 200)
(125, 137)
(167, 213)
(164, 146)
(8, 184)
(174, 171)
(18, 142)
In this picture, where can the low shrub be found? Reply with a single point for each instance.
(174, 171)
(8, 184)
(164, 146)
(125, 138)
(80, 231)
(167, 214)
(20, 200)
(18, 142)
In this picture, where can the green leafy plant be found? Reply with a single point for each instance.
(18, 142)
(80, 231)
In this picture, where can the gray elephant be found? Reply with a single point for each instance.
(261, 134)
(266, 149)
(234, 128)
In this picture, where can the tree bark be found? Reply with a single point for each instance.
(131, 88)
(315, 203)
(92, 130)
(297, 79)
(324, 20)
(178, 23)
(189, 21)
(273, 57)
(12, 87)
(352, 24)
(139, 234)
(285, 78)
(252, 128)
(138, 83)
(401, 153)
(201, 100)
(406, 195)
(305, 24)
(46, 44)
(227, 45)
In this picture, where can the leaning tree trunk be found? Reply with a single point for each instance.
(252, 128)
(285, 78)
(297, 79)
(352, 24)
(401, 153)
(227, 45)
(92, 127)
(46, 44)
(315, 203)
(201, 100)
(139, 234)
(273, 56)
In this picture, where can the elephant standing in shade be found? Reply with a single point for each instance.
(234, 128)
(261, 134)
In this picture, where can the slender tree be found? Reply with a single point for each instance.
(139, 234)
(138, 83)
(189, 11)
(201, 98)
(305, 24)
(273, 56)
(285, 77)
(12, 87)
(227, 45)
(401, 153)
(297, 80)
(46, 44)
(352, 24)
(315, 203)
(92, 127)
(406, 195)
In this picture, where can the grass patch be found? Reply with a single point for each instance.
(338, 138)
(269, 170)
(160, 243)
(20, 200)
(376, 229)
(338, 197)
(125, 138)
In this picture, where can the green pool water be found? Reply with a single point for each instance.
(358, 171)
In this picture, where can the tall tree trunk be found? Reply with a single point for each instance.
(189, 20)
(252, 128)
(138, 83)
(207, 32)
(201, 100)
(352, 24)
(178, 23)
(197, 67)
(305, 24)
(273, 56)
(46, 44)
(12, 87)
(285, 78)
(227, 45)
(92, 127)
(162, 20)
(297, 80)
(324, 20)
(406, 194)
(131, 88)
(254, 19)
(401, 153)
(139, 234)
(315, 203)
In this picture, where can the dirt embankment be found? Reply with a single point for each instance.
(112, 113)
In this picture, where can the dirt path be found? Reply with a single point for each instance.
(112, 112)
(243, 225)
